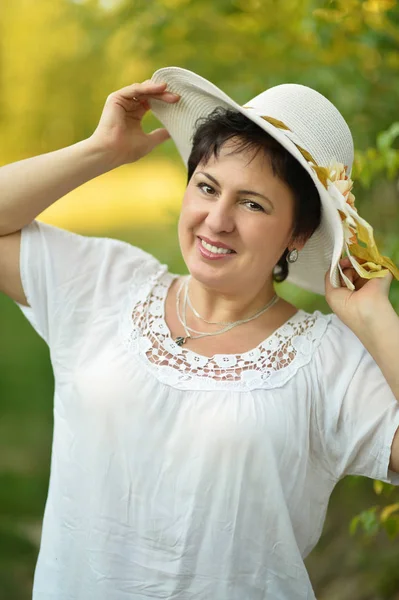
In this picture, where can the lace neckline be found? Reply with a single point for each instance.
(170, 277)
(272, 362)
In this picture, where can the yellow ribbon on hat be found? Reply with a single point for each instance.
(356, 230)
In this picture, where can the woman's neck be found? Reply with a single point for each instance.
(231, 305)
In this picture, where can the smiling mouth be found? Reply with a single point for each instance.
(215, 249)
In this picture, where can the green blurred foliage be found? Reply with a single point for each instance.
(59, 59)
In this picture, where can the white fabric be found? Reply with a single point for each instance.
(315, 124)
(178, 477)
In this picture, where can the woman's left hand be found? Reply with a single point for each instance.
(357, 307)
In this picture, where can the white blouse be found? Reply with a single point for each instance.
(176, 476)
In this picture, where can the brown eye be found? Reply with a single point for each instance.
(254, 206)
(204, 187)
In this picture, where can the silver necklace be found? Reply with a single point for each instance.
(183, 319)
(197, 313)
(180, 340)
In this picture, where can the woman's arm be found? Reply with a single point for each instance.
(368, 312)
(29, 186)
(380, 336)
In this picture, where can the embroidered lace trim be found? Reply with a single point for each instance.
(273, 362)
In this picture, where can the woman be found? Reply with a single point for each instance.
(201, 422)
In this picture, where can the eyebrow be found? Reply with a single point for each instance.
(250, 192)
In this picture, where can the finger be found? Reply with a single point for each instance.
(345, 283)
(166, 96)
(145, 104)
(135, 88)
(142, 98)
(342, 281)
(329, 288)
(349, 273)
(345, 262)
(148, 88)
(142, 102)
(386, 282)
(158, 136)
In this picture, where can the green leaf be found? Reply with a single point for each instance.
(354, 525)
(392, 163)
(391, 527)
(385, 138)
(388, 511)
(368, 520)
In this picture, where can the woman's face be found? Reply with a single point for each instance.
(235, 200)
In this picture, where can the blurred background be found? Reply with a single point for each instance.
(59, 60)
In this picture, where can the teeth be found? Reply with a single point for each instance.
(214, 249)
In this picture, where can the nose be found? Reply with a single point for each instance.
(220, 217)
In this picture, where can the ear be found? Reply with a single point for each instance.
(297, 243)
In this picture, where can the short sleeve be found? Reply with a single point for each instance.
(67, 276)
(356, 412)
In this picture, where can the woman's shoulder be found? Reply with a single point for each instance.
(335, 342)
(333, 326)
(329, 322)
(76, 265)
(314, 344)
(72, 246)
(323, 334)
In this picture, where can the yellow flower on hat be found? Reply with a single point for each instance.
(359, 240)
(337, 177)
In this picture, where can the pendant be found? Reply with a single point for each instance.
(180, 340)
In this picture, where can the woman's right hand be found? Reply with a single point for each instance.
(119, 131)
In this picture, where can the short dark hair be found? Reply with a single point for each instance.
(222, 125)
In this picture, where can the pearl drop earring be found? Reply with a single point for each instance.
(292, 256)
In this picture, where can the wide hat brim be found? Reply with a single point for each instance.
(199, 97)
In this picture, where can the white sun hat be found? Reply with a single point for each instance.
(310, 128)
